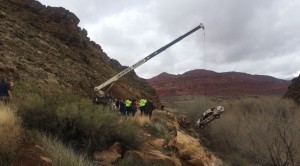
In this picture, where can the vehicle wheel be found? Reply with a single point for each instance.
(217, 116)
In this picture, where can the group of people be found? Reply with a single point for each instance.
(131, 107)
(5, 90)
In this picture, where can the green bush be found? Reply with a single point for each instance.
(62, 155)
(77, 122)
(158, 128)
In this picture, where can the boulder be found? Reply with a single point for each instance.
(109, 156)
(158, 143)
(46, 159)
(148, 154)
(190, 150)
(183, 122)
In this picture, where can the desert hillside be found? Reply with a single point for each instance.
(199, 82)
(44, 45)
(53, 67)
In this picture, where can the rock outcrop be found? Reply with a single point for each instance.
(109, 156)
(44, 45)
(293, 91)
(199, 82)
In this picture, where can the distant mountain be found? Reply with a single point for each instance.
(199, 82)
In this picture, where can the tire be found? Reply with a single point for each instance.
(217, 116)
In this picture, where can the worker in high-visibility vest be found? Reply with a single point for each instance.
(128, 107)
(142, 105)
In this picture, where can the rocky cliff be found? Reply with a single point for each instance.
(293, 91)
(44, 45)
(199, 82)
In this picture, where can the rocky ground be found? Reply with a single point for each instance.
(182, 147)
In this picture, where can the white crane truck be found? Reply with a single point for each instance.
(102, 98)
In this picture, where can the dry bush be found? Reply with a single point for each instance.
(142, 120)
(159, 128)
(10, 132)
(193, 108)
(75, 121)
(265, 129)
(261, 129)
(62, 155)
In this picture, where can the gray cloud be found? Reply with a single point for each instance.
(256, 37)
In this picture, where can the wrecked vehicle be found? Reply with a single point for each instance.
(209, 115)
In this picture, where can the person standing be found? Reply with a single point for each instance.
(5, 90)
(122, 107)
(128, 107)
(149, 107)
(134, 107)
(117, 104)
(142, 105)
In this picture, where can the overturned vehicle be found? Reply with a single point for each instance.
(209, 115)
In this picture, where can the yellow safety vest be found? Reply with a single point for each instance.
(128, 103)
(143, 102)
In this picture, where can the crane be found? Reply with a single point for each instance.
(144, 60)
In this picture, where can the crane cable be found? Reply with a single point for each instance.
(204, 54)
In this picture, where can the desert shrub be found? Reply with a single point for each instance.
(236, 160)
(265, 130)
(130, 134)
(60, 154)
(49, 97)
(158, 128)
(85, 130)
(142, 120)
(76, 122)
(10, 132)
(261, 129)
(193, 109)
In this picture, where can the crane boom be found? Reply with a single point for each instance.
(139, 63)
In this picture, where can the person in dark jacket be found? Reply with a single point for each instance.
(134, 107)
(5, 90)
(122, 107)
(117, 104)
(149, 107)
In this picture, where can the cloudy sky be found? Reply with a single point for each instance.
(255, 37)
